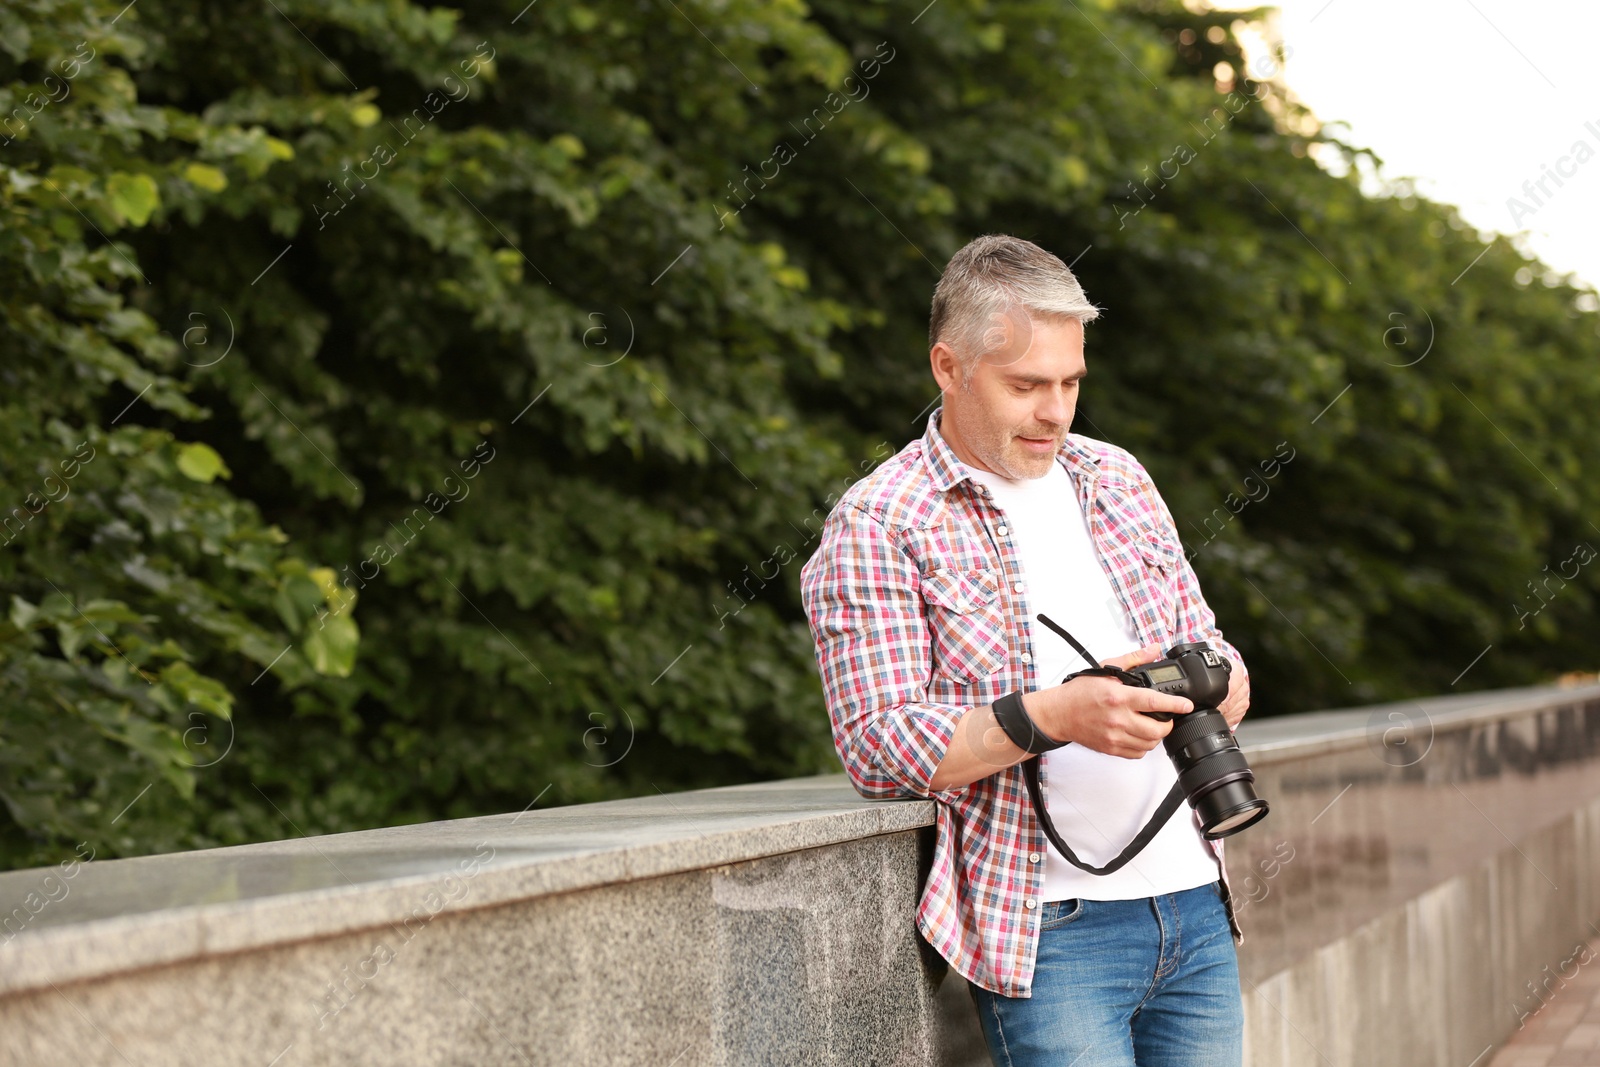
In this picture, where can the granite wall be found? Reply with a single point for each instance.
(1437, 881)
(1429, 871)
(794, 960)
(1426, 869)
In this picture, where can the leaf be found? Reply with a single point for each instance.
(509, 260)
(331, 646)
(195, 688)
(71, 638)
(22, 613)
(204, 176)
(108, 613)
(442, 24)
(297, 601)
(15, 36)
(200, 462)
(340, 598)
(567, 145)
(134, 197)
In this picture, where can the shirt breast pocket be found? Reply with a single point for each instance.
(966, 617)
(1162, 559)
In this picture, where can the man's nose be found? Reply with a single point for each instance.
(1054, 409)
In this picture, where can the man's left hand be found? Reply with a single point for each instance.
(1238, 699)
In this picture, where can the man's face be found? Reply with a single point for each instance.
(1013, 416)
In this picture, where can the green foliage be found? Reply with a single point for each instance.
(519, 325)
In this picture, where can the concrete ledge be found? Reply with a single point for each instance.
(1443, 979)
(121, 915)
(1316, 733)
(1423, 861)
(1428, 881)
(799, 959)
(1443, 851)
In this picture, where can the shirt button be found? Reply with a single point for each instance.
(1002, 531)
(1027, 658)
(1034, 857)
(963, 606)
(1016, 587)
(1030, 903)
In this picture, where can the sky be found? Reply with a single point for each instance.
(1473, 99)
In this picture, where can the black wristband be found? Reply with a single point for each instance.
(1020, 727)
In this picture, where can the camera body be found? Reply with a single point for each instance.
(1193, 670)
(1211, 768)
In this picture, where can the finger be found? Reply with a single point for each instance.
(1147, 654)
(1146, 731)
(1150, 700)
(1143, 745)
(1130, 748)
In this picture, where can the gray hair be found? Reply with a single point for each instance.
(989, 280)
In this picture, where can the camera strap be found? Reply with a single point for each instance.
(1030, 774)
(1173, 799)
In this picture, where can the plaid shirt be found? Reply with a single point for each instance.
(918, 604)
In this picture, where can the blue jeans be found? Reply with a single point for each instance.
(1119, 983)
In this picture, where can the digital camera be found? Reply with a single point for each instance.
(1211, 768)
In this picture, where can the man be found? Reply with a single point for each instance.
(922, 597)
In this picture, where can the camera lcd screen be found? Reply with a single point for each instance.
(1165, 674)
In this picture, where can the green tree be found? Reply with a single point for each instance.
(518, 325)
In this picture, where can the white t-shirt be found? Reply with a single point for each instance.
(1097, 802)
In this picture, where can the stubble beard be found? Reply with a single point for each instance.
(997, 447)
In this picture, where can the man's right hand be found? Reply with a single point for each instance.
(1105, 715)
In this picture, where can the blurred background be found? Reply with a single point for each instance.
(420, 412)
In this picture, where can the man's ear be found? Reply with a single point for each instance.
(946, 367)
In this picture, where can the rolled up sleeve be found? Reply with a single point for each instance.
(862, 595)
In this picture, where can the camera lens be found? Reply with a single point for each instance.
(1229, 815)
(1214, 774)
